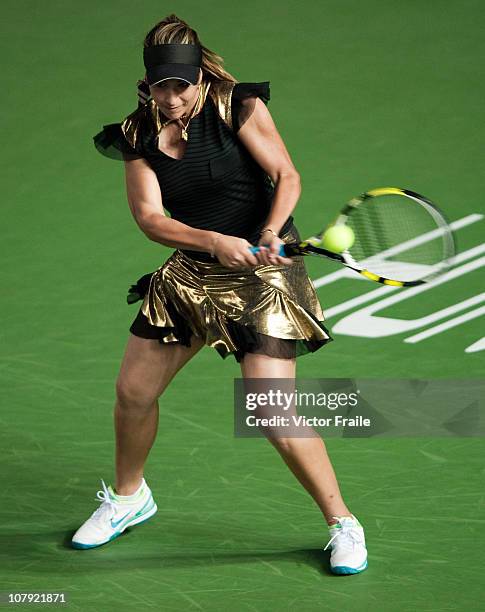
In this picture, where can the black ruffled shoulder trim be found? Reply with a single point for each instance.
(244, 101)
(111, 143)
(242, 91)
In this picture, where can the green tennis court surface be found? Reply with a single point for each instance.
(365, 95)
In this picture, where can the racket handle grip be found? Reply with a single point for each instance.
(282, 252)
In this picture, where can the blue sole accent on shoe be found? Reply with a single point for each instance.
(80, 546)
(343, 570)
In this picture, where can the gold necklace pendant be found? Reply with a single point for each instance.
(184, 135)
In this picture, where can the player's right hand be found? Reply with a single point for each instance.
(234, 252)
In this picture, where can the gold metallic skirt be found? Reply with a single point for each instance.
(271, 310)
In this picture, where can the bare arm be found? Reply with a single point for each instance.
(145, 201)
(262, 139)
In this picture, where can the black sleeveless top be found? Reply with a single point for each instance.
(216, 185)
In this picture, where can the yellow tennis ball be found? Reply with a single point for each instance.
(338, 238)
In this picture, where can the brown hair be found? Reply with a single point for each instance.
(172, 29)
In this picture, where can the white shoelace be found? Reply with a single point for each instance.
(347, 534)
(107, 505)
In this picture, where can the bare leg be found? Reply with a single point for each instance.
(146, 370)
(307, 458)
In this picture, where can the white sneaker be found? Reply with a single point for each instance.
(114, 515)
(349, 554)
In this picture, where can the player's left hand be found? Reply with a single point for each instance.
(270, 247)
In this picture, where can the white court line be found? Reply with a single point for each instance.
(479, 345)
(426, 237)
(381, 291)
(361, 322)
(437, 329)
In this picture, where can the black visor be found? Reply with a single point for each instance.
(172, 61)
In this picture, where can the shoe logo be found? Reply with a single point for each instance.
(115, 524)
(149, 503)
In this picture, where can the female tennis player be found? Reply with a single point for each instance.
(204, 147)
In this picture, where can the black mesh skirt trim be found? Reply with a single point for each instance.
(248, 340)
(244, 337)
(141, 327)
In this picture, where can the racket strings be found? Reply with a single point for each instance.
(396, 237)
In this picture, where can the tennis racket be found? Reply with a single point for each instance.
(401, 238)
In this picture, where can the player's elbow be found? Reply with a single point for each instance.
(150, 225)
(288, 174)
(289, 177)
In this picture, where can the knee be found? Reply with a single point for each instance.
(132, 396)
(282, 444)
(296, 445)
